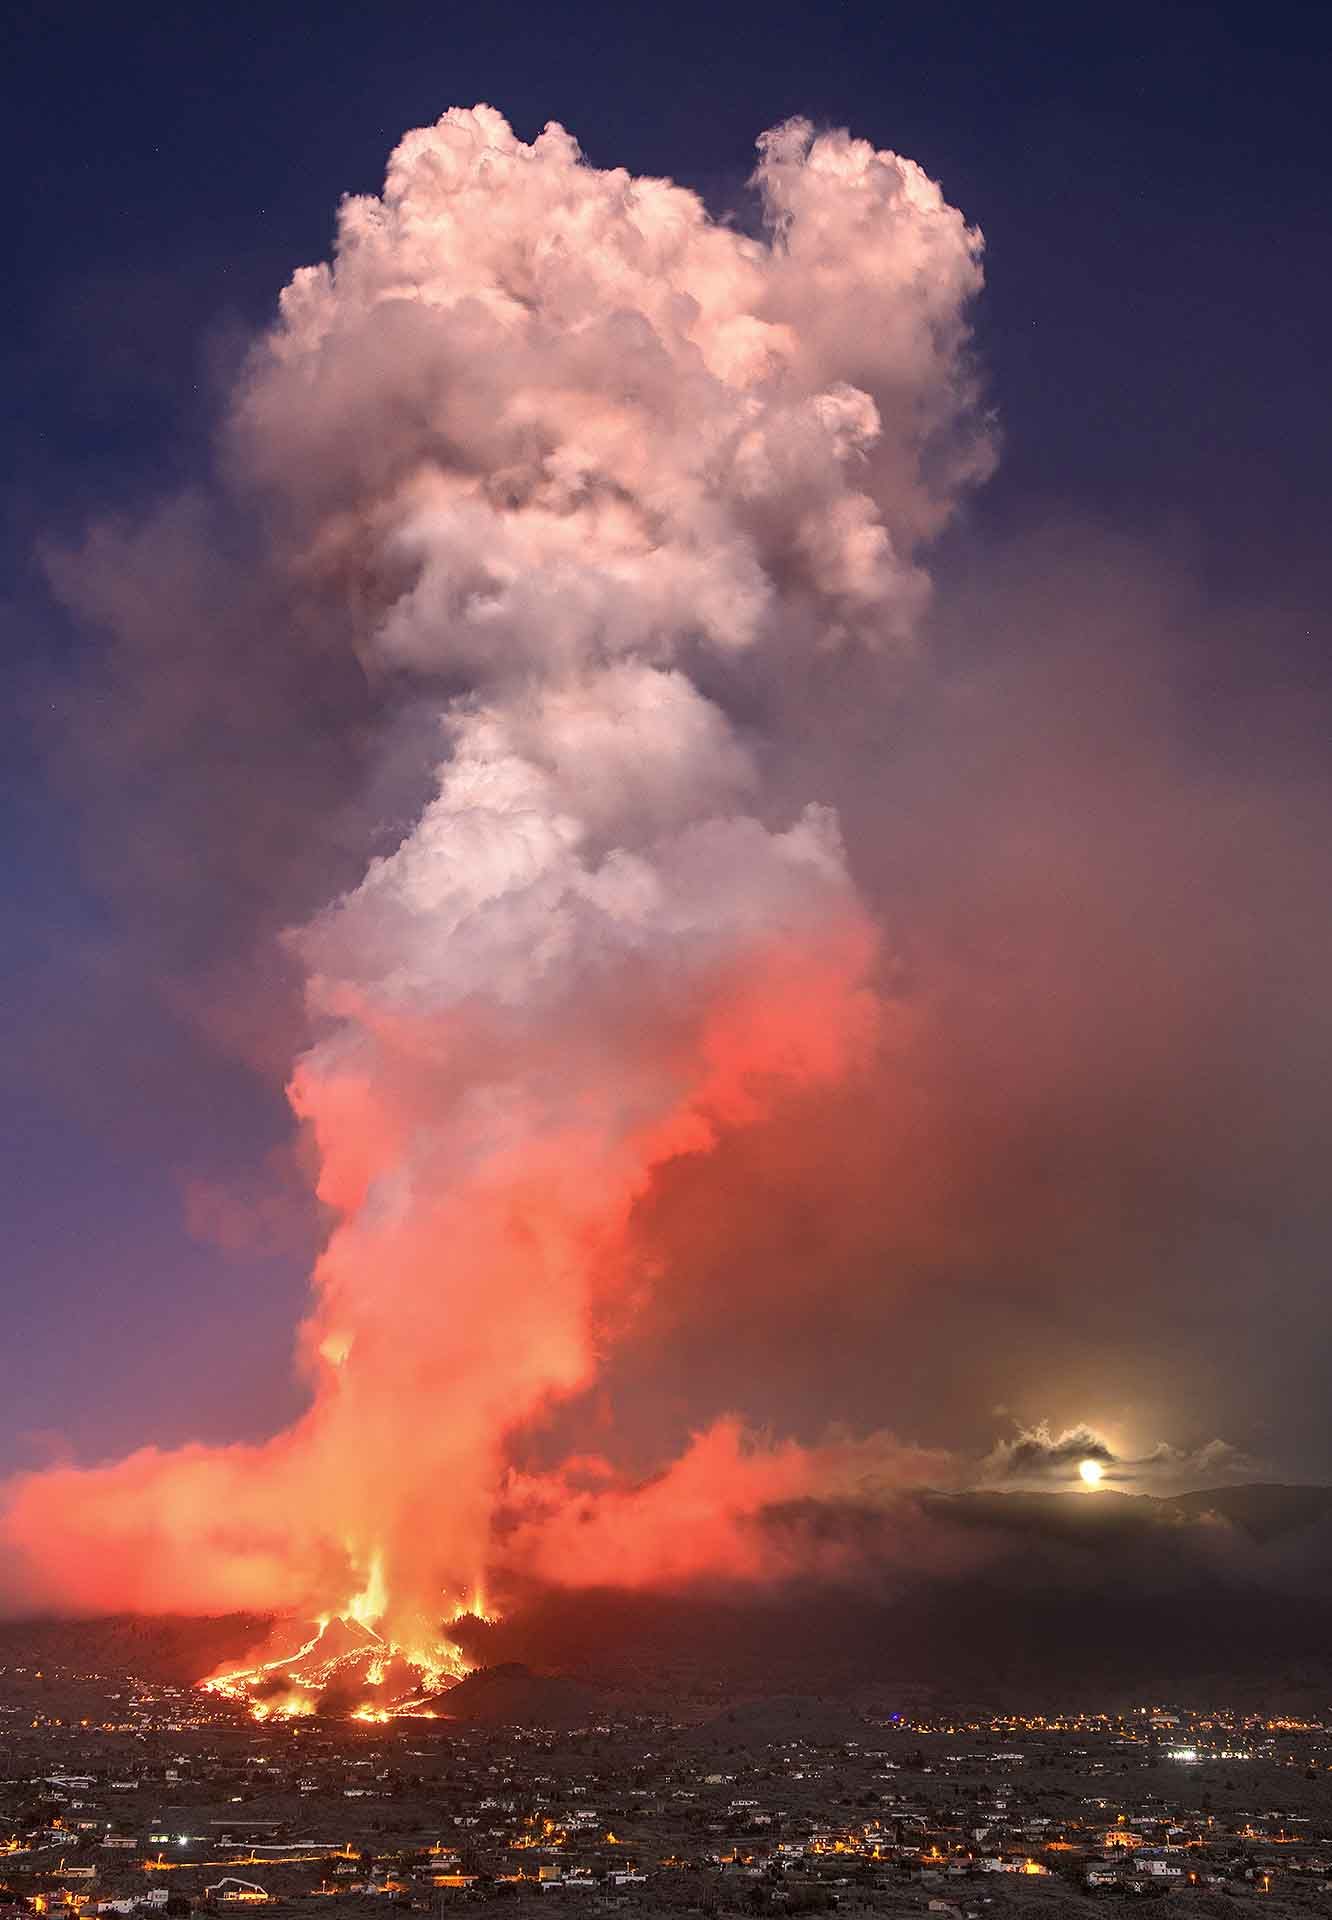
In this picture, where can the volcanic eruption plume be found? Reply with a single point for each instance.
(591, 472)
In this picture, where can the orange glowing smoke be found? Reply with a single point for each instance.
(557, 437)
(389, 1482)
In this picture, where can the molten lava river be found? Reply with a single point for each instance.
(347, 1666)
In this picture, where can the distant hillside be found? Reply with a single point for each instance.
(512, 1695)
(1263, 1513)
(172, 1648)
(992, 1597)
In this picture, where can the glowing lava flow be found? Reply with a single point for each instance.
(350, 1668)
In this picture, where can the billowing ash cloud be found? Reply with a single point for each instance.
(588, 473)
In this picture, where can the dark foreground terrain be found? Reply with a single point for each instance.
(123, 1795)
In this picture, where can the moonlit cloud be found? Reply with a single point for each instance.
(1038, 1452)
(1041, 1455)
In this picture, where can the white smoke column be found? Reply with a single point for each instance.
(562, 444)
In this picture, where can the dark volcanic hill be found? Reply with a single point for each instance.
(512, 1695)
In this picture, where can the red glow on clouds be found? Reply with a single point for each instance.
(443, 1325)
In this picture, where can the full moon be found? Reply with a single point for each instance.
(1091, 1471)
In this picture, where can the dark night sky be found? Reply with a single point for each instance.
(1153, 184)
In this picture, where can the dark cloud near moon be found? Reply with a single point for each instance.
(1038, 1452)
